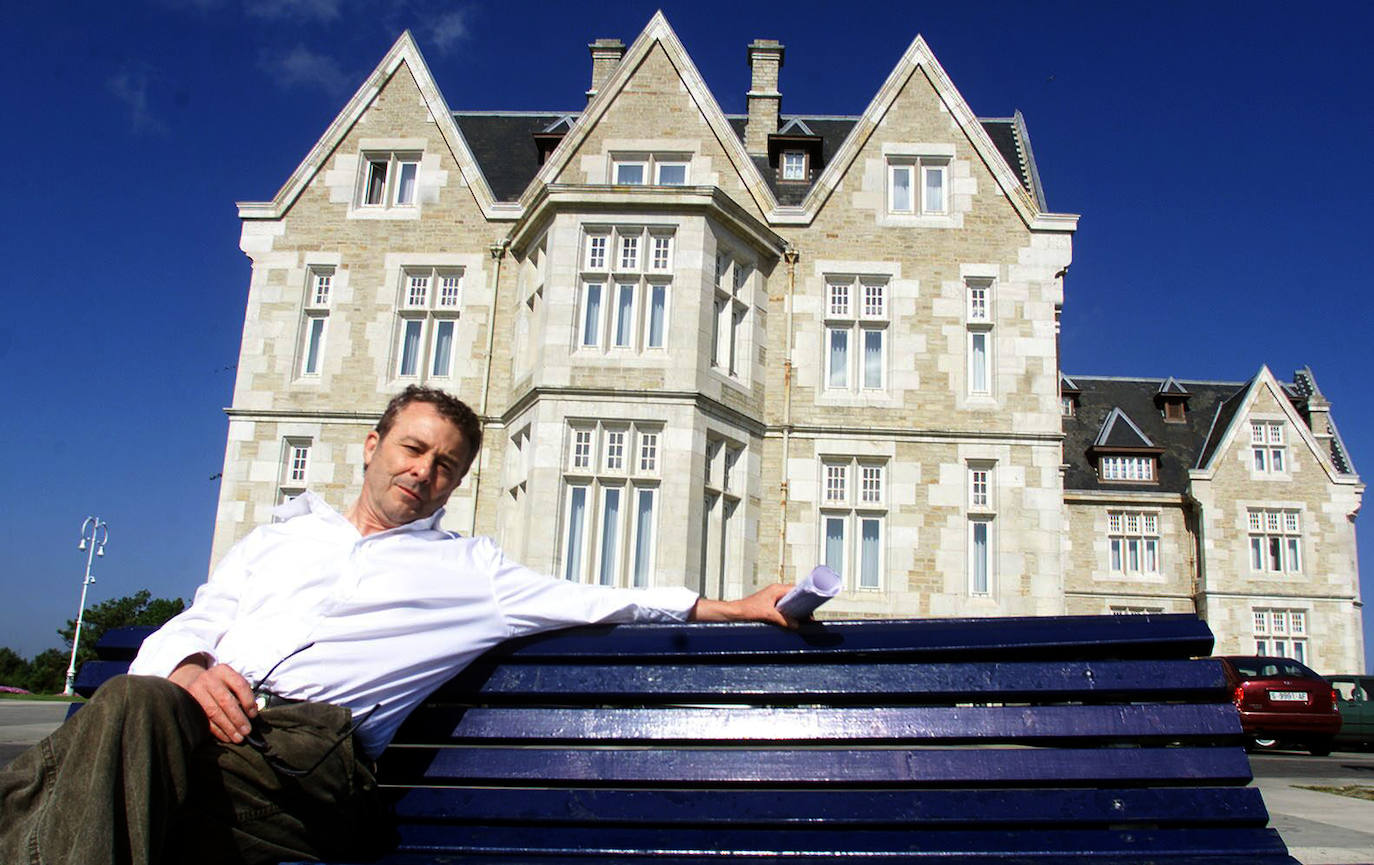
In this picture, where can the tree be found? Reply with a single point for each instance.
(140, 608)
(48, 672)
(14, 670)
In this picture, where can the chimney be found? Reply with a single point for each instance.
(765, 101)
(606, 54)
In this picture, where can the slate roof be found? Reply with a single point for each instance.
(1182, 443)
(502, 142)
(1211, 407)
(1119, 431)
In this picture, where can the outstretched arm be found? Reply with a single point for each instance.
(758, 607)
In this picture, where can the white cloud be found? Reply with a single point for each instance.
(301, 67)
(449, 29)
(130, 86)
(315, 10)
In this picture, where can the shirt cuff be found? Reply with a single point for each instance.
(163, 653)
(667, 604)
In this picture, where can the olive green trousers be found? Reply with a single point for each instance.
(135, 778)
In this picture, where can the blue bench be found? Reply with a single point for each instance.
(1087, 739)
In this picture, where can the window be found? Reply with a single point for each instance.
(917, 185)
(794, 165)
(980, 486)
(853, 517)
(610, 500)
(1275, 541)
(637, 169)
(1068, 405)
(730, 315)
(428, 322)
(318, 288)
(979, 322)
(722, 487)
(856, 322)
(624, 299)
(1267, 448)
(982, 513)
(1133, 542)
(1281, 633)
(1129, 469)
(295, 468)
(389, 180)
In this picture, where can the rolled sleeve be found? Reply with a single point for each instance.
(531, 601)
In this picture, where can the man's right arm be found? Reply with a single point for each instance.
(223, 694)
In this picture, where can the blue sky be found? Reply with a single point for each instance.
(1217, 154)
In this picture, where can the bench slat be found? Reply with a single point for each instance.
(858, 683)
(1095, 681)
(610, 840)
(1077, 857)
(948, 724)
(798, 767)
(1237, 806)
(1148, 636)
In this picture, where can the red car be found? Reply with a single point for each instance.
(1283, 702)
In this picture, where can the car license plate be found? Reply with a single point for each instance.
(1288, 696)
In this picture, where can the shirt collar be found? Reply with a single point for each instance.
(309, 503)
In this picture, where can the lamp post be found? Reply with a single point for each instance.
(94, 533)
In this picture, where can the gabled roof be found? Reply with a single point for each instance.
(403, 52)
(1003, 143)
(1119, 431)
(1226, 428)
(918, 57)
(1067, 385)
(1172, 387)
(656, 33)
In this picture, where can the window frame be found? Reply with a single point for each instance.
(849, 312)
(613, 258)
(852, 493)
(917, 168)
(429, 313)
(604, 461)
(392, 183)
(802, 168)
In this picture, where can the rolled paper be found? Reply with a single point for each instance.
(810, 592)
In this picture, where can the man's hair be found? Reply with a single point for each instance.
(449, 407)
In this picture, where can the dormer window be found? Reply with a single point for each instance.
(1172, 400)
(794, 165)
(1127, 468)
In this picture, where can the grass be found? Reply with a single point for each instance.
(47, 698)
(1354, 791)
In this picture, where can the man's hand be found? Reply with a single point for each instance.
(222, 693)
(758, 607)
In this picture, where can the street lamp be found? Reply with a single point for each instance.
(94, 534)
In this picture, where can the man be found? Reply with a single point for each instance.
(247, 731)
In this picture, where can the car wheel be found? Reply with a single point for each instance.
(1320, 747)
(1263, 743)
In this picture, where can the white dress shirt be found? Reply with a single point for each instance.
(391, 616)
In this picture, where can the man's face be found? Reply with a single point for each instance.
(411, 472)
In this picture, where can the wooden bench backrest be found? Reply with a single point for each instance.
(1029, 740)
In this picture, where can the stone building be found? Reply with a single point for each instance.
(713, 350)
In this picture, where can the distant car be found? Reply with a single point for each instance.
(1282, 702)
(1355, 699)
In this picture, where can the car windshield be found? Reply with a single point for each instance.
(1271, 668)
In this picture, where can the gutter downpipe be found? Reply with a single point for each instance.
(498, 252)
(791, 255)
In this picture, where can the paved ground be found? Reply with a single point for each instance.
(1319, 828)
(24, 722)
